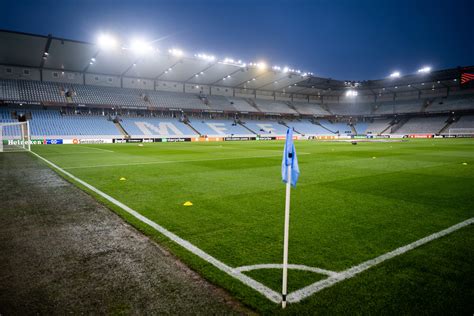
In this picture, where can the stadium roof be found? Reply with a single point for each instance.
(49, 52)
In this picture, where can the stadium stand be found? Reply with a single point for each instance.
(310, 109)
(352, 108)
(377, 126)
(421, 125)
(220, 103)
(452, 103)
(466, 121)
(156, 127)
(308, 128)
(274, 107)
(220, 128)
(266, 128)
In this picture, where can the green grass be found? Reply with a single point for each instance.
(348, 207)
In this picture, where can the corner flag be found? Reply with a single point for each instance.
(290, 159)
(290, 172)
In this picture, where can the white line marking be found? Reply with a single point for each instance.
(166, 161)
(290, 266)
(273, 296)
(300, 294)
(106, 150)
(257, 286)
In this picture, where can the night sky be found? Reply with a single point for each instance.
(348, 40)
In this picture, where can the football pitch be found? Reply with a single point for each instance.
(352, 204)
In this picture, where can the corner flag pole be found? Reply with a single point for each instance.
(285, 240)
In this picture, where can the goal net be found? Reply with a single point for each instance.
(15, 136)
(461, 132)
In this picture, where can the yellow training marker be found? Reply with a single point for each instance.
(188, 203)
(374, 157)
(464, 163)
(122, 179)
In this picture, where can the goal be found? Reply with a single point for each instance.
(15, 136)
(461, 132)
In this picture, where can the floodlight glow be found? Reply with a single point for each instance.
(261, 65)
(424, 70)
(351, 93)
(286, 69)
(107, 41)
(206, 57)
(176, 52)
(140, 46)
(395, 74)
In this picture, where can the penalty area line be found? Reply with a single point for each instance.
(257, 286)
(309, 290)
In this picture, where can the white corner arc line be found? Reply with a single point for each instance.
(290, 266)
(257, 286)
(309, 290)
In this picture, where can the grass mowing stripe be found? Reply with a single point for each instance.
(167, 161)
(262, 289)
(298, 295)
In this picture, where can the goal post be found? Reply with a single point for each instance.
(461, 132)
(15, 136)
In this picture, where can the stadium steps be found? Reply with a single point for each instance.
(243, 125)
(388, 127)
(397, 125)
(452, 119)
(253, 104)
(192, 127)
(286, 125)
(291, 106)
(354, 131)
(121, 129)
(426, 104)
(319, 124)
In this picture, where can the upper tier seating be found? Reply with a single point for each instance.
(465, 102)
(274, 107)
(220, 128)
(421, 125)
(351, 108)
(242, 105)
(156, 127)
(394, 107)
(310, 109)
(219, 102)
(342, 128)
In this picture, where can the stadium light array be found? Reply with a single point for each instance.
(106, 41)
(176, 52)
(140, 46)
(351, 93)
(395, 74)
(205, 57)
(424, 70)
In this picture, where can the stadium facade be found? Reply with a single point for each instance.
(72, 92)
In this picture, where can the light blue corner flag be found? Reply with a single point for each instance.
(290, 159)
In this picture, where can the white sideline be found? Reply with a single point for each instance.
(262, 289)
(300, 294)
(293, 297)
(290, 266)
(168, 161)
(106, 150)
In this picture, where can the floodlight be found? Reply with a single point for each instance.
(286, 69)
(395, 74)
(176, 52)
(424, 70)
(140, 46)
(107, 41)
(261, 65)
(351, 93)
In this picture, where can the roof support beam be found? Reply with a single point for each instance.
(166, 71)
(46, 51)
(199, 72)
(231, 74)
(243, 82)
(86, 68)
